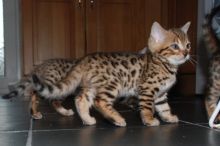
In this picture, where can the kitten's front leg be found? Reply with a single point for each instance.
(146, 105)
(163, 109)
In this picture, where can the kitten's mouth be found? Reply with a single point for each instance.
(179, 61)
(187, 57)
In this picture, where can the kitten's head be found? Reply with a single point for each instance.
(172, 45)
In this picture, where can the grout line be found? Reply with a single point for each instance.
(207, 127)
(18, 131)
(194, 124)
(29, 138)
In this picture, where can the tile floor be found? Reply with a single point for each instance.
(17, 129)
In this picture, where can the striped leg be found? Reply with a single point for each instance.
(146, 104)
(60, 109)
(211, 101)
(163, 109)
(213, 89)
(34, 107)
(104, 104)
(83, 105)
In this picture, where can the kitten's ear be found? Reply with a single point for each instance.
(157, 32)
(185, 27)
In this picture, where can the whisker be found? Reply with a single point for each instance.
(191, 62)
(195, 61)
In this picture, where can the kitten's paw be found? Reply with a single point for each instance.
(37, 116)
(69, 112)
(120, 122)
(89, 121)
(151, 121)
(171, 119)
(65, 112)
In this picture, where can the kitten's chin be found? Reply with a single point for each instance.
(177, 62)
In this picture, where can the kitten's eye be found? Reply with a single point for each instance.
(174, 46)
(188, 46)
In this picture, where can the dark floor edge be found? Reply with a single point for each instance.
(100, 128)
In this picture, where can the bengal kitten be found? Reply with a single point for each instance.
(104, 77)
(50, 71)
(213, 47)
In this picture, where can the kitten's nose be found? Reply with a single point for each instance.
(185, 53)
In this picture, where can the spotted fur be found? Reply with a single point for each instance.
(51, 71)
(104, 77)
(213, 47)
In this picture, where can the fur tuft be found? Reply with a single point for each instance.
(212, 42)
(143, 51)
(37, 83)
(20, 89)
(60, 89)
(35, 79)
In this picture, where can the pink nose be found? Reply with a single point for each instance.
(184, 52)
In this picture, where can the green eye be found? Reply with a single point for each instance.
(188, 46)
(174, 46)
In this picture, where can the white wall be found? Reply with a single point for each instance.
(11, 43)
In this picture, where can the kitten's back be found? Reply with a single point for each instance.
(54, 70)
(212, 42)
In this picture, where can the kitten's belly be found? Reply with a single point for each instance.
(127, 92)
(166, 86)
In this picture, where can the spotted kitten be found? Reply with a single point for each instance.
(51, 71)
(213, 47)
(104, 77)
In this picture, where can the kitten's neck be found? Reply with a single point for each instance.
(164, 63)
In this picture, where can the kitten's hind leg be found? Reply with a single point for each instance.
(213, 87)
(83, 105)
(212, 97)
(163, 109)
(104, 105)
(34, 107)
(60, 109)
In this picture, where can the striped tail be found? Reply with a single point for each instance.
(58, 90)
(212, 42)
(10, 95)
(21, 89)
